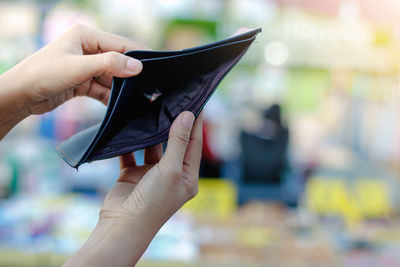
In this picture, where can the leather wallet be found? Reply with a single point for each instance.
(142, 108)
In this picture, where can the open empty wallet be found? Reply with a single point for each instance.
(142, 108)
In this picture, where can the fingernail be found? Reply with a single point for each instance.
(188, 119)
(133, 65)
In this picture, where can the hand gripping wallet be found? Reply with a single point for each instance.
(142, 108)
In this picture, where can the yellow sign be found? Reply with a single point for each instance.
(216, 198)
(364, 198)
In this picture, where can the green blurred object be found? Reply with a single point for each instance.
(4, 67)
(14, 183)
(306, 88)
(200, 31)
(208, 26)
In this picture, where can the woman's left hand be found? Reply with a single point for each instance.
(82, 62)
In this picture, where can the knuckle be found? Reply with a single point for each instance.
(182, 139)
(102, 96)
(127, 44)
(111, 60)
(78, 27)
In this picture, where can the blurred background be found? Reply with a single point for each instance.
(302, 139)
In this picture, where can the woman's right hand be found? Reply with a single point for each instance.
(145, 197)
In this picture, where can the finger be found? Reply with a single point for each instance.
(95, 41)
(94, 90)
(152, 155)
(105, 80)
(193, 152)
(179, 136)
(127, 161)
(110, 63)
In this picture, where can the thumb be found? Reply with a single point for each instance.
(178, 140)
(112, 63)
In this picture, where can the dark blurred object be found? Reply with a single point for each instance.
(210, 163)
(264, 153)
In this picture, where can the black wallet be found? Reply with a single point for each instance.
(142, 108)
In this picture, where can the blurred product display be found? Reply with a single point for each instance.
(272, 139)
(301, 144)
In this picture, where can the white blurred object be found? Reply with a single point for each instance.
(134, 19)
(61, 18)
(276, 53)
(18, 19)
(349, 10)
(176, 241)
(254, 11)
(189, 8)
(270, 85)
(222, 128)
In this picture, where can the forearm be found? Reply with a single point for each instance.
(145, 197)
(120, 244)
(12, 103)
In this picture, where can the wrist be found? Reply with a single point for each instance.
(116, 242)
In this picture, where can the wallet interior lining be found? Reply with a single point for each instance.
(155, 118)
(162, 112)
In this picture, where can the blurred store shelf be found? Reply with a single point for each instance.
(333, 68)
